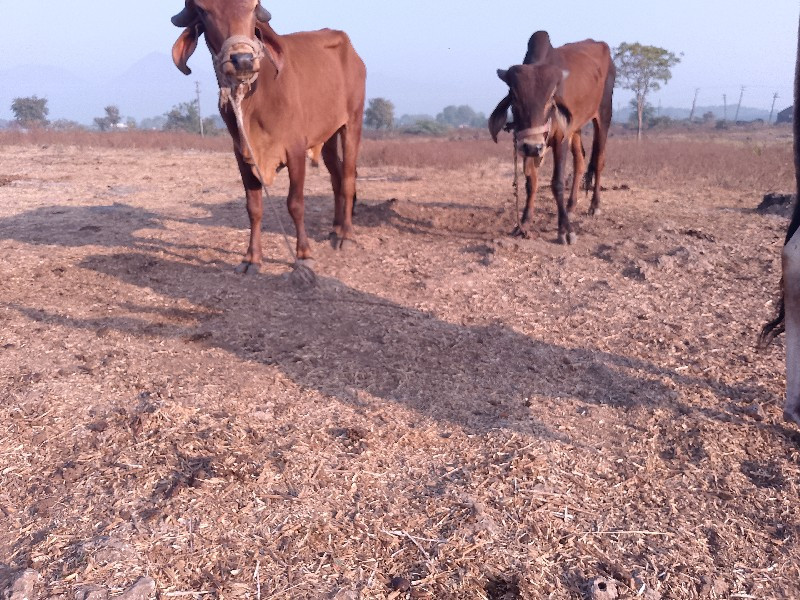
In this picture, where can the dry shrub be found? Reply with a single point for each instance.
(447, 154)
(152, 140)
(724, 160)
(715, 161)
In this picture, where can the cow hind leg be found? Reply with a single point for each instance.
(791, 283)
(330, 155)
(351, 142)
(578, 167)
(602, 123)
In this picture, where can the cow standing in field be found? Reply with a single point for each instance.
(789, 308)
(552, 95)
(302, 92)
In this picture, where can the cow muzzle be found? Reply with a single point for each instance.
(533, 142)
(239, 61)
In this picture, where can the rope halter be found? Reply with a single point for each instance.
(255, 47)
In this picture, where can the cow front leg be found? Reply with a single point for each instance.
(531, 185)
(295, 201)
(565, 233)
(791, 291)
(251, 263)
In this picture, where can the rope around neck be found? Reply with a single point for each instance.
(235, 95)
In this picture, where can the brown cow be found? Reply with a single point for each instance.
(308, 93)
(553, 94)
(789, 308)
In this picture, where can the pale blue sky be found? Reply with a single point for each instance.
(425, 55)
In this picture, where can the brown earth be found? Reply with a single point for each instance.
(478, 416)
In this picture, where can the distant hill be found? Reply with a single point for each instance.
(148, 88)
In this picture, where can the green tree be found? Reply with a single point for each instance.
(461, 116)
(111, 120)
(183, 117)
(30, 111)
(379, 114)
(642, 69)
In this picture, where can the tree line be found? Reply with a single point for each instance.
(640, 68)
(380, 114)
(32, 112)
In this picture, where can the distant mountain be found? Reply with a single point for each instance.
(148, 88)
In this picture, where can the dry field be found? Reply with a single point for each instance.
(481, 416)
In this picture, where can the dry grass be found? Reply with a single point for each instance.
(731, 160)
(484, 417)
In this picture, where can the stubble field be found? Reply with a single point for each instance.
(480, 416)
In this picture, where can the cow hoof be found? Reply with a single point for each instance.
(792, 416)
(572, 238)
(248, 268)
(520, 232)
(594, 212)
(347, 244)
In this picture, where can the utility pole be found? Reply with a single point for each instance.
(772, 110)
(738, 106)
(199, 113)
(694, 104)
(725, 103)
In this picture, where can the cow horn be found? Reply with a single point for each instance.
(184, 18)
(262, 14)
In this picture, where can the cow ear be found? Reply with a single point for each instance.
(272, 46)
(185, 46)
(499, 117)
(503, 75)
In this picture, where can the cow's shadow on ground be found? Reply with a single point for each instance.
(349, 345)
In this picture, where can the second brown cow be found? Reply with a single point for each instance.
(552, 95)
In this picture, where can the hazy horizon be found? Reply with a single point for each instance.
(422, 57)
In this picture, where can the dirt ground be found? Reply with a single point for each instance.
(478, 416)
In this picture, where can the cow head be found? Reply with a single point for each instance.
(534, 99)
(237, 33)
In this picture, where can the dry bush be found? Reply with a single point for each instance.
(448, 154)
(723, 160)
(153, 140)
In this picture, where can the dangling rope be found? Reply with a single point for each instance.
(235, 95)
(516, 185)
